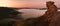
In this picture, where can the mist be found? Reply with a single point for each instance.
(31, 13)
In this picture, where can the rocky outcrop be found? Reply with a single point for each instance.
(52, 9)
(55, 21)
(51, 13)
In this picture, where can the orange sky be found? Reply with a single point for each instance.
(26, 3)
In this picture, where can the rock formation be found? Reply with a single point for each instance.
(52, 9)
(55, 20)
(52, 14)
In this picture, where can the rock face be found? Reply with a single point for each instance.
(52, 9)
(51, 13)
(55, 19)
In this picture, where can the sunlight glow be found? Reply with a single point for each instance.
(4, 3)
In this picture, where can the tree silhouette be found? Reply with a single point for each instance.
(6, 12)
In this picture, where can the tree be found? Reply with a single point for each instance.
(6, 12)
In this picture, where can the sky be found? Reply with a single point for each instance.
(27, 3)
